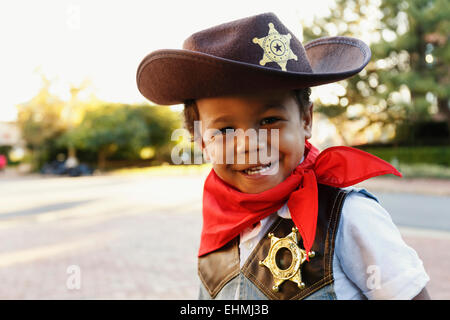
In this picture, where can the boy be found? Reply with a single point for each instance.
(285, 225)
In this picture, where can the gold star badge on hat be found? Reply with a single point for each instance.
(292, 273)
(276, 48)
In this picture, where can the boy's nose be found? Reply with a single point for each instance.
(246, 141)
(248, 144)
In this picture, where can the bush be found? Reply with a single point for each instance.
(119, 132)
(438, 155)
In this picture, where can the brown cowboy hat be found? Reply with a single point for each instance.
(249, 55)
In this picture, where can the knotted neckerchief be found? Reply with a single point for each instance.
(227, 211)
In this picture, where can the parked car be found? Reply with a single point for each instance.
(57, 167)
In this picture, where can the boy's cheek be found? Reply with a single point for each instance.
(216, 152)
(292, 149)
(292, 142)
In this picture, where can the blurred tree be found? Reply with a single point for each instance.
(39, 121)
(160, 122)
(118, 131)
(107, 129)
(408, 79)
(93, 129)
(73, 113)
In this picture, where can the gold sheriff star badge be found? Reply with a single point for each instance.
(292, 273)
(276, 48)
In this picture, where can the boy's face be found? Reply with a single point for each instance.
(269, 111)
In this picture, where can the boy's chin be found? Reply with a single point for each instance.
(256, 189)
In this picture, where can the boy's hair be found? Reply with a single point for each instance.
(190, 112)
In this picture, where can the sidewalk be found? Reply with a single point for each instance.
(432, 248)
(439, 187)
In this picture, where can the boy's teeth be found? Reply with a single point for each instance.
(258, 169)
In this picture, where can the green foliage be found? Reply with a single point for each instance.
(40, 122)
(39, 119)
(119, 131)
(424, 170)
(408, 78)
(439, 155)
(94, 131)
(108, 127)
(423, 133)
(160, 121)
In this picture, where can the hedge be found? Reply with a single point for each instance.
(439, 155)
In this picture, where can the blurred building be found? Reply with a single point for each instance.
(10, 134)
(11, 143)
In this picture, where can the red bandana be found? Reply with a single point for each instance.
(227, 211)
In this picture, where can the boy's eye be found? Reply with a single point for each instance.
(224, 130)
(269, 120)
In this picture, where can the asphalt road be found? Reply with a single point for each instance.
(416, 210)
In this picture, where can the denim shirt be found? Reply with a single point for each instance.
(240, 287)
(248, 291)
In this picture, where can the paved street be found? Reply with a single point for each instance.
(136, 236)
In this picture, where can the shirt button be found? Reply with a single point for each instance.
(249, 245)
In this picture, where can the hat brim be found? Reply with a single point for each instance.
(172, 76)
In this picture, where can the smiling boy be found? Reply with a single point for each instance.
(286, 226)
(275, 110)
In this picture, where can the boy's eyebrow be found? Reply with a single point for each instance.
(222, 118)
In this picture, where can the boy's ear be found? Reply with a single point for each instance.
(307, 121)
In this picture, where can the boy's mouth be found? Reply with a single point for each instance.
(257, 170)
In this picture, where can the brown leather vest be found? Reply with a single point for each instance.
(217, 268)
